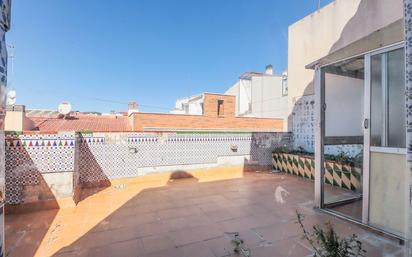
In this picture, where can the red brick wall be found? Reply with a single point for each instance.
(144, 121)
(209, 119)
(210, 105)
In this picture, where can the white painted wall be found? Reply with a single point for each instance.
(242, 89)
(335, 26)
(192, 105)
(267, 99)
(260, 96)
(344, 106)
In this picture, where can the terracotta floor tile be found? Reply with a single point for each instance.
(278, 231)
(196, 250)
(157, 243)
(22, 250)
(220, 246)
(133, 220)
(207, 232)
(128, 248)
(82, 253)
(280, 251)
(171, 252)
(241, 224)
(150, 229)
(187, 222)
(124, 234)
(179, 212)
(93, 240)
(182, 218)
(185, 236)
(221, 214)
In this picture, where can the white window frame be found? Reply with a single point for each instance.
(385, 124)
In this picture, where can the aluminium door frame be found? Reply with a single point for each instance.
(320, 132)
(367, 148)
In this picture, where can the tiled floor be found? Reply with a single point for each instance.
(353, 209)
(184, 218)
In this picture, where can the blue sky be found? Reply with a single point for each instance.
(99, 54)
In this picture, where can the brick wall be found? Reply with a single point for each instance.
(209, 119)
(144, 121)
(210, 104)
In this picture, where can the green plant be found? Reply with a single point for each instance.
(14, 133)
(341, 158)
(358, 159)
(85, 132)
(301, 149)
(238, 244)
(326, 242)
(281, 149)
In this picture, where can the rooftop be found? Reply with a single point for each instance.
(182, 217)
(82, 122)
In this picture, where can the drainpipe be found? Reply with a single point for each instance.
(319, 136)
(4, 27)
(408, 93)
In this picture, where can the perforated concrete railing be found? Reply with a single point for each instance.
(105, 156)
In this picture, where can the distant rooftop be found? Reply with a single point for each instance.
(53, 121)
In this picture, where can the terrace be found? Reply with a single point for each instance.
(183, 215)
(150, 184)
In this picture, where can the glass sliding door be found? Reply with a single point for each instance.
(343, 137)
(386, 149)
(360, 145)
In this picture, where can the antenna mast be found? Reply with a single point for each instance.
(11, 56)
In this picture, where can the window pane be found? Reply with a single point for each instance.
(220, 108)
(376, 101)
(396, 99)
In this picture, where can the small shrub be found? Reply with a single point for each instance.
(300, 149)
(282, 149)
(238, 244)
(341, 158)
(326, 242)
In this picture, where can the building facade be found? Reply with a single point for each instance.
(261, 95)
(347, 90)
(257, 94)
(192, 105)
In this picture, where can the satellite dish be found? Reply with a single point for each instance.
(11, 97)
(65, 108)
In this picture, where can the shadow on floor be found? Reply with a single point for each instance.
(188, 218)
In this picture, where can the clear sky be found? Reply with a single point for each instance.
(99, 54)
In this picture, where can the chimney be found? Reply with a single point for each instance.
(132, 107)
(269, 70)
(16, 119)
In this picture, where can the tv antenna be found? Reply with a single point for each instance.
(11, 56)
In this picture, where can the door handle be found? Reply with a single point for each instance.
(366, 123)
